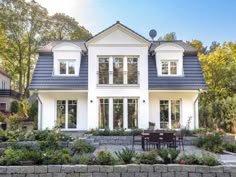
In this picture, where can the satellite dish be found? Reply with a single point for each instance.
(152, 33)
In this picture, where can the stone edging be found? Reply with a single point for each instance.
(131, 170)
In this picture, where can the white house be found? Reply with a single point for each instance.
(117, 79)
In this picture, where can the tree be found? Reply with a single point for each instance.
(198, 45)
(169, 36)
(213, 46)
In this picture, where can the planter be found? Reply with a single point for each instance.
(3, 125)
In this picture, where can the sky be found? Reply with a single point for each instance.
(205, 20)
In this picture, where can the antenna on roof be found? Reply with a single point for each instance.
(152, 34)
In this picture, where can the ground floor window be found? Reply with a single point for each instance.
(67, 114)
(3, 107)
(124, 113)
(170, 114)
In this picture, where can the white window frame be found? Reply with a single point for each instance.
(67, 67)
(169, 67)
(169, 111)
(4, 85)
(66, 114)
(125, 69)
(125, 110)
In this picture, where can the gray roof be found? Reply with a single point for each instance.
(192, 79)
(43, 76)
(49, 47)
(188, 49)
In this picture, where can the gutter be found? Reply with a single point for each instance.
(41, 110)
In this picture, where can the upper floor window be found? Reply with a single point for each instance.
(118, 70)
(67, 67)
(4, 85)
(169, 67)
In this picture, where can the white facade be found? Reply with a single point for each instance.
(117, 42)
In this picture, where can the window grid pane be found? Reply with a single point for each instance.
(164, 113)
(175, 114)
(173, 67)
(132, 113)
(118, 113)
(104, 113)
(103, 70)
(71, 67)
(132, 70)
(72, 113)
(164, 67)
(61, 113)
(118, 71)
(62, 67)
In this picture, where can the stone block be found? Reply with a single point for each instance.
(113, 175)
(195, 175)
(120, 168)
(18, 175)
(93, 168)
(133, 168)
(127, 174)
(20, 169)
(230, 168)
(146, 168)
(141, 175)
(41, 169)
(223, 174)
(181, 174)
(59, 174)
(217, 169)
(160, 168)
(85, 175)
(174, 167)
(67, 168)
(97, 174)
(3, 169)
(202, 169)
(189, 168)
(32, 175)
(54, 168)
(168, 174)
(45, 175)
(155, 174)
(81, 168)
(208, 175)
(106, 168)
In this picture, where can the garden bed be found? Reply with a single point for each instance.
(171, 170)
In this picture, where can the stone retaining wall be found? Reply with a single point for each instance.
(132, 170)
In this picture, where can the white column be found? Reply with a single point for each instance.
(125, 113)
(111, 113)
(66, 118)
(169, 113)
(39, 116)
(125, 69)
(110, 70)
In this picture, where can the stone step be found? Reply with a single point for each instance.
(89, 141)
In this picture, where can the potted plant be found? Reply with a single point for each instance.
(2, 121)
(152, 125)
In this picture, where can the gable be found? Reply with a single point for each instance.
(118, 34)
(66, 46)
(169, 47)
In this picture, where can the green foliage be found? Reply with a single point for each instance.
(230, 147)
(14, 108)
(51, 156)
(116, 132)
(86, 159)
(169, 37)
(105, 158)
(126, 155)
(191, 159)
(2, 117)
(211, 141)
(168, 155)
(148, 157)
(204, 159)
(208, 160)
(81, 146)
(14, 120)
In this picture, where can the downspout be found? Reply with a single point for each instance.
(41, 110)
(194, 108)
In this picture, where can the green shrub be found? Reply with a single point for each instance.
(14, 108)
(148, 157)
(85, 159)
(188, 159)
(211, 141)
(230, 147)
(168, 155)
(55, 157)
(208, 160)
(14, 121)
(81, 146)
(105, 158)
(126, 155)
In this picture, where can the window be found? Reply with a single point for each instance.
(118, 113)
(67, 114)
(118, 71)
(169, 67)
(132, 70)
(103, 70)
(169, 113)
(4, 85)
(3, 107)
(103, 113)
(67, 67)
(132, 113)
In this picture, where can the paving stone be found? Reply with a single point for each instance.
(113, 175)
(181, 174)
(203, 169)
(99, 174)
(223, 174)
(146, 168)
(174, 167)
(168, 174)
(67, 168)
(41, 169)
(106, 168)
(120, 168)
(141, 175)
(208, 174)
(54, 168)
(127, 174)
(85, 175)
(93, 168)
(133, 168)
(81, 168)
(194, 175)
(160, 168)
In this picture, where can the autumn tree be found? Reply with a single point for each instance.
(169, 37)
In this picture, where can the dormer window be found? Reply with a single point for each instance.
(169, 67)
(67, 67)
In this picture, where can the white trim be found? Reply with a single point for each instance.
(174, 91)
(118, 45)
(62, 91)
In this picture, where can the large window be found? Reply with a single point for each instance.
(169, 113)
(67, 114)
(118, 70)
(4, 85)
(103, 113)
(67, 67)
(3, 107)
(118, 113)
(169, 67)
(103, 71)
(132, 70)
(118, 74)
(132, 113)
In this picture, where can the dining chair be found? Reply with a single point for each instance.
(169, 140)
(154, 140)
